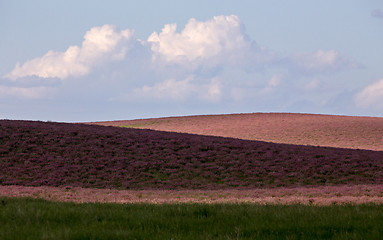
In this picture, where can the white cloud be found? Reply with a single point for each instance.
(198, 41)
(377, 13)
(181, 90)
(206, 61)
(100, 44)
(321, 61)
(200, 46)
(170, 88)
(24, 92)
(213, 90)
(272, 84)
(371, 96)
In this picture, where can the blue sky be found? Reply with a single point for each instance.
(106, 60)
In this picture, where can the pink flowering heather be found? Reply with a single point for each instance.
(79, 155)
(290, 128)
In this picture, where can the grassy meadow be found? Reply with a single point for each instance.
(25, 218)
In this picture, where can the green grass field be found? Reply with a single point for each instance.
(25, 218)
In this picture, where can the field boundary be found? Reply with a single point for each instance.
(316, 195)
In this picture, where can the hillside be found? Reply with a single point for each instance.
(62, 154)
(289, 128)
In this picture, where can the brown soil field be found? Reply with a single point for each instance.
(291, 128)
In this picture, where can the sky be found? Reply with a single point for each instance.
(90, 60)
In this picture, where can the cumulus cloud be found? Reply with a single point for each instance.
(222, 36)
(377, 13)
(100, 44)
(211, 61)
(371, 96)
(199, 46)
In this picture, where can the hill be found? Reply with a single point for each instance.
(288, 128)
(80, 155)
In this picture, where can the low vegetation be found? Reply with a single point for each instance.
(36, 219)
(289, 128)
(295, 191)
(318, 195)
(63, 154)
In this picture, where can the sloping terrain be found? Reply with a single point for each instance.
(62, 154)
(289, 128)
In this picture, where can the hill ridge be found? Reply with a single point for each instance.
(289, 128)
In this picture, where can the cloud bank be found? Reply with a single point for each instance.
(322, 61)
(100, 44)
(212, 62)
(183, 89)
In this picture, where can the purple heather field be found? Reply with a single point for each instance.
(36, 153)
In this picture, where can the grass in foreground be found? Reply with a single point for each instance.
(25, 218)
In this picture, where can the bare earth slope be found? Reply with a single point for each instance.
(290, 128)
